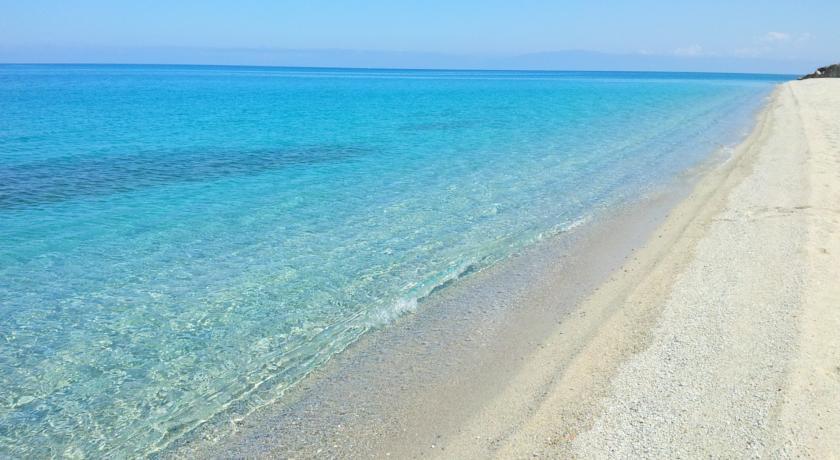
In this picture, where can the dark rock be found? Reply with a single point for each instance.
(832, 71)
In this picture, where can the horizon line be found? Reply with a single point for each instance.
(419, 69)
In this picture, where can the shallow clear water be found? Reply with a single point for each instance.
(180, 244)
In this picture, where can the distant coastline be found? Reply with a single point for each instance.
(700, 73)
(830, 71)
(577, 60)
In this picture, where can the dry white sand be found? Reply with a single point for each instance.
(722, 337)
(744, 359)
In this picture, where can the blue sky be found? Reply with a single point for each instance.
(710, 35)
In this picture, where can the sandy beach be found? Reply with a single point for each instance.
(419, 230)
(726, 341)
(706, 328)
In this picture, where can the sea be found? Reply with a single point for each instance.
(180, 245)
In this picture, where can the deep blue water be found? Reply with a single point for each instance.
(180, 244)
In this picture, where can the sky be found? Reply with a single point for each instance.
(732, 35)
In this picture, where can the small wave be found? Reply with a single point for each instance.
(381, 317)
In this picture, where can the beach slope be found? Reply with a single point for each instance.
(727, 343)
(717, 337)
(745, 359)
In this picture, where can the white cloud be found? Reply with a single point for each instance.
(804, 37)
(776, 37)
(776, 41)
(693, 50)
(749, 52)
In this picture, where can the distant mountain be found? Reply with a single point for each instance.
(551, 60)
(592, 60)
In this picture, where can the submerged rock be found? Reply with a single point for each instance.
(832, 71)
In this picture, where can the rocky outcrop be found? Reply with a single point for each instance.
(832, 71)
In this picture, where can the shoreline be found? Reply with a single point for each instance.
(481, 320)
(702, 327)
(510, 307)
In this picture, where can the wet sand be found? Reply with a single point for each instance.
(406, 389)
(700, 322)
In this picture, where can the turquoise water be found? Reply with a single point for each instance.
(178, 245)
